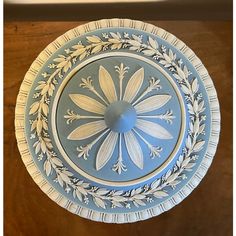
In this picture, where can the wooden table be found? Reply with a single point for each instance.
(207, 211)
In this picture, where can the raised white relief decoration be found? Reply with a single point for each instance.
(98, 108)
(106, 198)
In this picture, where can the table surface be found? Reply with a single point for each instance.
(207, 211)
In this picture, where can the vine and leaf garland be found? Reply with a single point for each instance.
(100, 196)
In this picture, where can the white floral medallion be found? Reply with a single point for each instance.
(119, 115)
(117, 124)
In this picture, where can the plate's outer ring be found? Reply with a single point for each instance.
(58, 197)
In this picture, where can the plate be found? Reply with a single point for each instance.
(117, 120)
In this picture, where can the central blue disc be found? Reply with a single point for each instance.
(120, 116)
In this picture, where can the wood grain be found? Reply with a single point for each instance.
(207, 211)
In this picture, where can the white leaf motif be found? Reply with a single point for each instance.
(198, 146)
(60, 181)
(134, 85)
(156, 183)
(190, 165)
(96, 49)
(78, 194)
(87, 130)
(88, 104)
(57, 161)
(134, 149)
(64, 177)
(149, 52)
(180, 73)
(201, 129)
(47, 167)
(152, 103)
(171, 55)
(153, 43)
(107, 85)
(196, 126)
(134, 43)
(138, 202)
(33, 108)
(188, 142)
(119, 198)
(185, 89)
(93, 39)
(37, 148)
(99, 202)
(160, 194)
(139, 196)
(115, 36)
(153, 129)
(82, 190)
(102, 191)
(106, 150)
(195, 85)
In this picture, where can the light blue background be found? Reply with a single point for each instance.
(52, 177)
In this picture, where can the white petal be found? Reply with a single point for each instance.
(88, 104)
(106, 150)
(107, 85)
(153, 129)
(134, 85)
(134, 149)
(87, 130)
(152, 103)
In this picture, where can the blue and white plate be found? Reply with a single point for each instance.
(117, 120)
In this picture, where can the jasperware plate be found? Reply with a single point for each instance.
(117, 120)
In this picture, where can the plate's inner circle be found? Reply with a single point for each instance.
(119, 119)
